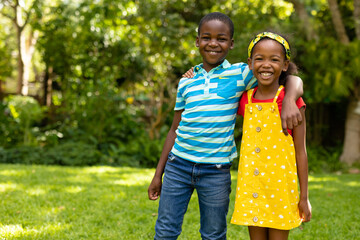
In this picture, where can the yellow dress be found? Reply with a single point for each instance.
(267, 191)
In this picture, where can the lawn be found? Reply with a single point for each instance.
(52, 202)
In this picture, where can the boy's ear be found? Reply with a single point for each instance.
(232, 44)
(250, 63)
(197, 41)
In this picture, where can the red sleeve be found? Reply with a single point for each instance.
(242, 103)
(300, 103)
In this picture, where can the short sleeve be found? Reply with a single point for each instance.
(249, 79)
(180, 101)
(242, 103)
(300, 103)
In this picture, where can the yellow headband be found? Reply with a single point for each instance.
(273, 36)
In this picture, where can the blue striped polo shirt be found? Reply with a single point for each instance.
(210, 102)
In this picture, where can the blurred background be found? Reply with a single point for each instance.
(93, 82)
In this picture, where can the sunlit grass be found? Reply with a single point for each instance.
(51, 202)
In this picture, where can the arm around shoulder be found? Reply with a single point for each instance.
(290, 114)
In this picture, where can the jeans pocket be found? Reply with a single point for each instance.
(171, 157)
(223, 167)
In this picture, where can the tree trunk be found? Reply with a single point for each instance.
(20, 63)
(357, 18)
(351, 150)
(28, 48)
(305, 20)
(48, 86)
(337, 21)
(1, 91)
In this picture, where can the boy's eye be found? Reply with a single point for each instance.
(222, 39)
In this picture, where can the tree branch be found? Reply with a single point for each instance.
(357, 18)
(337, 21)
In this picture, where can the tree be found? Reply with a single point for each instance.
(331, 64)
(19, 13)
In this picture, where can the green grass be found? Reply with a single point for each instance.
(51, 202)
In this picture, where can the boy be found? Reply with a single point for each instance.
(200, 147)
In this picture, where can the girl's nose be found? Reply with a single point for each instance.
(266, 63)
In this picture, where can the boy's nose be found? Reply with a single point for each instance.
(213, 42)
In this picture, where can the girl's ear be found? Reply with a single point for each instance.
(197, 41)
(250, 63)
(286, 65)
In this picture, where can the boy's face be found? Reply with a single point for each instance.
(214, 42)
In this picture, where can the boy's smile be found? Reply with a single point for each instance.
(214, 42)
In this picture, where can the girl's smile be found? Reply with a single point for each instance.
(267, 62)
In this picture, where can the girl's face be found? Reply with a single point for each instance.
(268, 61)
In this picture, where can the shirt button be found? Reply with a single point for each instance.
(256, 172)
(258, 129)
(255, 195)
(257, 149)
(255, 219)
(259, 107)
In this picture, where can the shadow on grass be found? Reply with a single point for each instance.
(84, 203)
(51, 202)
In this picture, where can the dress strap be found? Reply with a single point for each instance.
(249, 94)
(277, 93)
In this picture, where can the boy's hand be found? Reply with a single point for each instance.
(290, 115)
(189, 73)
(154, 189)
(305, 210)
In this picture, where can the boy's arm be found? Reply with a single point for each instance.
(290, 114)
(155, 185)
(302, 168)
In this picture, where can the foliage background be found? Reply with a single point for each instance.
(104, 75)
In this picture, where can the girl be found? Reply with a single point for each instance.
(267, 199)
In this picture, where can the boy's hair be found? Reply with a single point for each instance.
(220, 17)
(292, 69)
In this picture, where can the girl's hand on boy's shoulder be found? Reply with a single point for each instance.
(305, 210)
(189, 73)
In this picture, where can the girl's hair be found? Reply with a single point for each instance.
(220, 17)
(292, 69)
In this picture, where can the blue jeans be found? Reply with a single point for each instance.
(213, 185)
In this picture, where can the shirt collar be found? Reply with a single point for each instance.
(225, 64)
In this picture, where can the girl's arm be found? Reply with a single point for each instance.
(155, 185)
(290, 115)
(302, 168)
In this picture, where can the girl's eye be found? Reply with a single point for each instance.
(222, 39)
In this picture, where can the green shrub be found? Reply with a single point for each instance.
(22, 155)
(68, 153)
(25, 111)
(10, 131)
(72, 154)
(324, 160)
